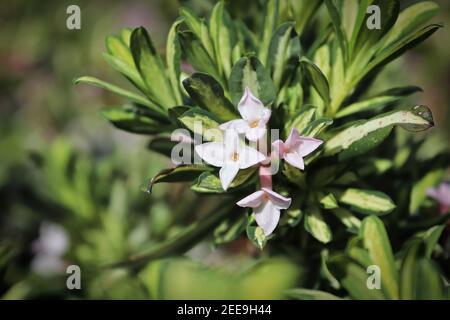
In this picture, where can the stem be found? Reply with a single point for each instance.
(265, 173)
(265, 177)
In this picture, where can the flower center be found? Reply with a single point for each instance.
(254, 124)
(235, 156)
(266, 197)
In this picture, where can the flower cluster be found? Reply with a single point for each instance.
(233, 154)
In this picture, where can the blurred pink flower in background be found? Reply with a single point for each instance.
(442, 195)
(49, 248)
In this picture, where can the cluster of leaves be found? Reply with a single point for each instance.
(106, 219)
(321, 88)
(90, 200)
(410, 274)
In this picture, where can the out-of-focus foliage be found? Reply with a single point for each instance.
(62, 165)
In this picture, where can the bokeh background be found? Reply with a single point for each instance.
(70, 183)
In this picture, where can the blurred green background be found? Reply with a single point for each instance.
(70, 183)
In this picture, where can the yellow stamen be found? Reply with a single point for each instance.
(235, 156)
(254, 124)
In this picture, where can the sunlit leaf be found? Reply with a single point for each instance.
(249, 72)
(207, 93)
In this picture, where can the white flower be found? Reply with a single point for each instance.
(267, 205)
(231, 155)
(254, 117)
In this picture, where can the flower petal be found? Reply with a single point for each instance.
(294, 160)
(240, 125)
(254, 134)
(265, 117)
(308, 145)
(231, 143)
(433, 193)
(212, 152)
(278, 147)
(441, 194)
(250, 107)
(267, 217)
(293, 140)
(444, 193)
(252, 201)
(249, 157)
(227, 173)
(277, 199)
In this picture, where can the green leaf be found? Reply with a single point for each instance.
(249, 72)
(377, 102)
(224, 37)
(316, 226)
(308, 294)
(316, 127)
(411, 18)
(183, 240)
(408, 271)
(162, 145)
(302, 12)
(173, 60)
(207, 93)
(356, 251)
(347, 219)
(338, 27)
(177, 111)
(418, 191)
(129, 71)
(134, 97)
(367, 201)
(348, 11)
(358, 24)
(292, 98)
(230, 230)
(383, 57)
(181, 173)
(120, 58)
(247, 39)
(367, 38)
(328, 201)
(200, 29)
(284, 51)
(302, 119)
(209, 182)
(117, 47)
(431, 238)
(203, 123)
(429, 282)
(353, 277)
(132, 120)
(294, 175)
(269, 23)
(376, 241)
(255, 233)
(365, 135)
(151, 68)
(317, 79)
(198, 57)
(291, 217)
